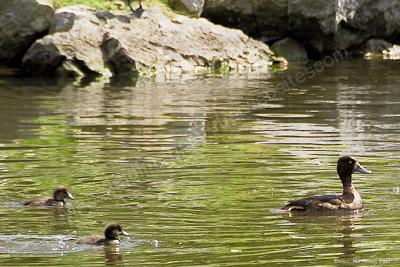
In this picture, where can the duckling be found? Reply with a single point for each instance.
(111, 233)
(349, 200)
(59, 196)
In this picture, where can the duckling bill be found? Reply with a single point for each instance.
(350, 199)
(59, 195)
(111, 234)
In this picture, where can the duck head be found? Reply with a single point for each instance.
(113, 230)
(61, 193)
(346, 166)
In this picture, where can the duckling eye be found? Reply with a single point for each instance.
(350, 162)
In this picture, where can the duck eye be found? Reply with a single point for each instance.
(350, 162)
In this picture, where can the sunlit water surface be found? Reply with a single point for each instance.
(197, 170)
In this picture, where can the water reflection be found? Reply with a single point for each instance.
(342, 228)
(347, 240)
(20, 102)
(112, 254)
(62, 216)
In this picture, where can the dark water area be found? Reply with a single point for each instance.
(196, 170)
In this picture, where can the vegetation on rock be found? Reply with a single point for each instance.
(106, 4)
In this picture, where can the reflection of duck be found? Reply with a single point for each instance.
(342, 224)
(349, 250)
(111, 233)
(112, 254)
(349, 200)
(60, 194)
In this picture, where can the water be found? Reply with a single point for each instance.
(197, 170)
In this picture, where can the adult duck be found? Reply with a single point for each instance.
(349, 200)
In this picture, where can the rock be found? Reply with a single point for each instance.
(155, 44)
(323, 26)
(377, 45)
(85, 42)
(258, 18)
(280, 62)
(72, 46)
(374, 48)
(381, 49)
(312, 20)
(22, 22)
(290, 49)
(374, 18)
(194, 7)
(392, 53)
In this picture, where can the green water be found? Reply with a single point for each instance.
(197, 170)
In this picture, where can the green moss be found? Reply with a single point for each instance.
(110, 4)
(217, 66)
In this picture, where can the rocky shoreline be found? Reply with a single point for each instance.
(78, 41)
(85, 42)
(321, 26)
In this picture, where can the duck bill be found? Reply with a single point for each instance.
(70, 196)
(361, 169)
(123, 233)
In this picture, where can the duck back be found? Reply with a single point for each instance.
(318, 203)
(96, 240)
(40, 202)
(91, 240)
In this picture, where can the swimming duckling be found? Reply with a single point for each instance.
(111, 233)
(349, 200)
(59, 196)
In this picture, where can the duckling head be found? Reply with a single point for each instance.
(113, 230)
(346, 166)
(61, 193)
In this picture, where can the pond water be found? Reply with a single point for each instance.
(196, 170)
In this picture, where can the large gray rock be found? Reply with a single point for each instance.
(329, 25)
(82, 41)
(72, 46)
(313, 22)
(381, 49)
(322, 25)
(374, 48)
(290, 49)
(188, 6)
(22, 22)
(377, 46)
(258, 18)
